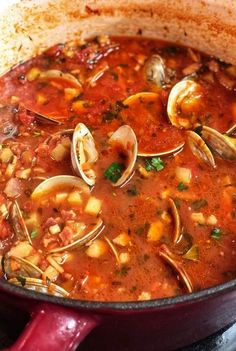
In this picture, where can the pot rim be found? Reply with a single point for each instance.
(119, 306)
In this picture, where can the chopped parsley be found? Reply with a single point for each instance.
(132, 191)
(154, 164)
(181, 186)
(114, 172)
(33, 234)
(216, 233)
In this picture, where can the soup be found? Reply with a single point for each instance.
(117, 163)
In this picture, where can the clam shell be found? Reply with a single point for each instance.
(178, 93)
(200, 149)
(44, 119)
(17, 221)
(48, 185)
(163, 153)
(26, 268)
(126, 137)
(231, 130)
(82, 241)
(155, 70)
(59, 75)
(83, 151)
(38, 285)
(177, 222)
(61, 133)
(224, 145)
(146, 95)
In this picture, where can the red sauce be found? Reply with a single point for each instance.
(124, 261)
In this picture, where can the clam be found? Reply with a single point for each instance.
(200, 149)
(57, 182)
(39, 285)
(163, 153)
(54, 74)
(155, 71)
(17, 266)
(223, 144)
(125, 138)
(18, 223)
(177, 222)
(143, 96)
(61, 133)
(42, 118)
(231, 130)
(86, 239)
(181, 94)
(84, 154)
(175, 263)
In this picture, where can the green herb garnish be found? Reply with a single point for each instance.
(216, 233)
(33, 234)
(154, 164)
(132, 191)
(114, 172)
(21, 279)
(196, 205)
(181, 186)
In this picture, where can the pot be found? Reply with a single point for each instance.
(27, 27)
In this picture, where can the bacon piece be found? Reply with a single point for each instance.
(66, 236)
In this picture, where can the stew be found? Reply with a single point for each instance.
(117, 162)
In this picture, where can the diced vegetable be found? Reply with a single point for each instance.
(6, 155)
(33, 74)
(13, 188)
(183, 174)
(114, 172)
(75, 199)
(54, 229)
(34, 258)
(11, 167)
(144, 296)
(97, 249)
(93, 206)
(3, 211)
(71, 93)
(181, 186)
(32, 221)
(60, 197)
(212, 220)
(50, 273)
(123, 239)
(216, 233)
(155, 231)
(154, 164)
(124, 257)
(198, 217)
(59, 153)
(143, 172)
(33, 234)
(22, 249)
(23, 173)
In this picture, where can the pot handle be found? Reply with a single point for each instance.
(54, 328)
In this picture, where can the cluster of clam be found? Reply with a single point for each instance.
(84, 155)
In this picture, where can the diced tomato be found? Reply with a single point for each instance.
(5, 230)
(43, 150)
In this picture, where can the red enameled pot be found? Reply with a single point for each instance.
(28, 27)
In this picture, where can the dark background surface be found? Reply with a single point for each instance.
(12, 323)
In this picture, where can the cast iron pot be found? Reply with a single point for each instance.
(26, 28)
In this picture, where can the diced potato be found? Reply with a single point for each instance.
(6, 155)
(23, 173)
(212, 220)
(155, 231)
(60, 197)
(3, 211)
(74, 198)
(59, 153)
(32, 221)
(144, 296)
(122, 239)
(33, 74)
(79, 106)
(41, 99)
(35, 259)
(198, 217)
(165, 193)
(93, 206)
(66, 142)
(11, 167)
(50, 273)
(124, 257)
(97, 249)
(14, 99)
(22, 249)
(183, 174)
(54, 229)
(143, 172)
(71, 93)
(78, 228)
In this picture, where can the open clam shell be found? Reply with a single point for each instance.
(180, 93)
(42, 118)
(61, 133)
(54, 74)
(17, 266)
(155, 70)
(177, 222)
(84, 154)
(224, 145)
(200, 149)
(52, 183)
(17, 221)
(39, 285)
(90, 236)
(163, 153)
(126, 138)
(173, 261)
